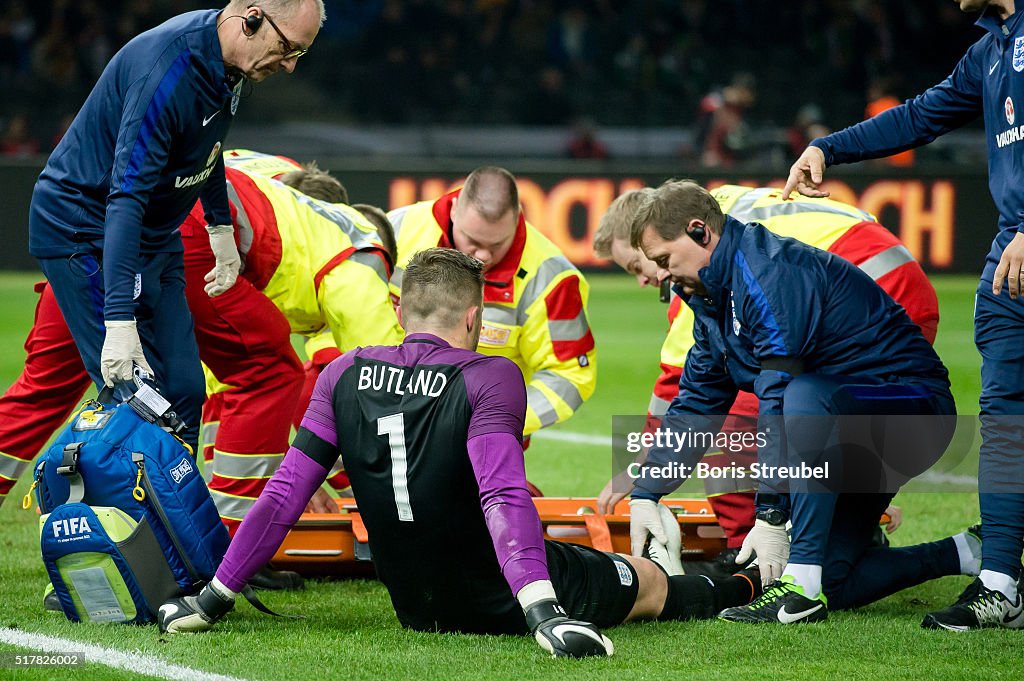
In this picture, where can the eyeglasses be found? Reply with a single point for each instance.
(290, 51)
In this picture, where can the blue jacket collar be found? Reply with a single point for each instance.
(991, 22)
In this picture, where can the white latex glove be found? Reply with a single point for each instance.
(668, 555)
(771, 545)
(122, 349)
(225, 272)
(644, 519)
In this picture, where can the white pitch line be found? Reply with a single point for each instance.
(602, 441)
(948, 478)
(575, 438)
(134, 662)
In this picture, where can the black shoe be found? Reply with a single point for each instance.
(277, 580)
(726, 561)
(783, 602)
(978, 607)
(51, 603)
(970, 593)
(194, 613)
(878, 538)
(722, 565)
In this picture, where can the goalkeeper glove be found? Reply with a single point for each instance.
(195, 613)
(555, 631)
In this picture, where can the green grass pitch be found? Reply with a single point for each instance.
(350, 631)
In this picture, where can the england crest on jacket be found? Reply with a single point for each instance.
(1018, 54)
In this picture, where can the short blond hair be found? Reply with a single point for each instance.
(439, 286)
(617, 220)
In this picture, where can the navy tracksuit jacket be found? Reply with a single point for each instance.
(106, 209)
(812, 335)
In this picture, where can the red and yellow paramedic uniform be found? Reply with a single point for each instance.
(535, 310)
(320, 347)
(829, 225)
(309, 266)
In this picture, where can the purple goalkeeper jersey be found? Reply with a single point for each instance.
(431, 438)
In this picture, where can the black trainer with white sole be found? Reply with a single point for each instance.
(978, 607)
(783, 602)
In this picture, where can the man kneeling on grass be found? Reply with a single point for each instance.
(853, 403)
(430, 434)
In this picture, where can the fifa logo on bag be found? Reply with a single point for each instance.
(69, 526)
(181, 471)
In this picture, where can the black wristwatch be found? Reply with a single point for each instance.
(772, 516)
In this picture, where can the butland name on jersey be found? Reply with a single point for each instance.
(400, 381)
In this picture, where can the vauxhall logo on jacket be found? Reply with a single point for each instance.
(200, 177)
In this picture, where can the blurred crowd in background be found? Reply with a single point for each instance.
(742, 74)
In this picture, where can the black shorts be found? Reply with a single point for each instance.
(593, 586)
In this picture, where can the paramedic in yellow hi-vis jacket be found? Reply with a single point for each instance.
(309, 265)
(320, 348)
(535, 300)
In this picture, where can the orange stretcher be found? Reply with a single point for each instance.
(336, 544)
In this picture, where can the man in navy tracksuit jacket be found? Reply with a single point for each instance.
(989, 80)
(144, 147)
(815, 339)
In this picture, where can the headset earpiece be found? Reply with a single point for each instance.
(698, 234)
(253, 23)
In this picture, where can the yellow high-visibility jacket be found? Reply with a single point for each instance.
(322, 264)
(535, 310)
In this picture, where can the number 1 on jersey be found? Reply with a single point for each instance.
(394, 427)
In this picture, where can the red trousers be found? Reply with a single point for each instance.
(44, 395)
(731, 499)
(337, 478)
(246, 342)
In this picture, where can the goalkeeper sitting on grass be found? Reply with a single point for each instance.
(430, 434)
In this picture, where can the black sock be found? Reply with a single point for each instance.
(692, 597)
